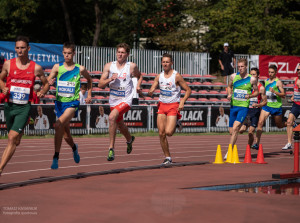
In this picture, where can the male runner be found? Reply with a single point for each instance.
(118, 75)
(274, 92)
(20, 73)
(254, 109)
(295, 111)
(170, 83)
(67, 76)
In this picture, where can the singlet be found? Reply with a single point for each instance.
(256, 99)
(68, 83)
(274, 101)
(241, 87)
(169, 92)
(20, 83)
(296, 93)
(121, 89)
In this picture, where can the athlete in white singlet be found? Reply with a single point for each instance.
(170, 83)
(118, 75)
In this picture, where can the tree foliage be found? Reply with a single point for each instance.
(250, 26)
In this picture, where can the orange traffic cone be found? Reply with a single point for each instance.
(219, 158)
(235, 155)
(248, 158)
(229, 154)
(260, 156)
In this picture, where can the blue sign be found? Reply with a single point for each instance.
(45, 55)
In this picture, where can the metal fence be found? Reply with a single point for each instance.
(253, 61)
(148, 61)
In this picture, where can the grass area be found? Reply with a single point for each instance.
(141, 134)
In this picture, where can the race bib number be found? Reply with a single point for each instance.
(239, 95)
(165, 93)
(252, 101)
(296, 96)
(117, 93)
(19, 95)
(271, 97)
(66, 88)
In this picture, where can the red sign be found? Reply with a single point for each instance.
(287, 65)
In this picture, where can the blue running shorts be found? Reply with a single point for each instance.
(237, 114)
(60, 107)
(273, 111)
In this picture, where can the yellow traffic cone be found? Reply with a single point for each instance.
(229, 154)
(218, 158)
(235, 155)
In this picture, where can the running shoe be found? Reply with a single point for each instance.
(111, 155)
(129, 145)
(255, 146)
(54, 165)
(295, 125)
(167, 161)
(179, 125)
(287, 146)
(76, 155)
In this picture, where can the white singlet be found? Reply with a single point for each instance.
(169, 92)
(121, 89)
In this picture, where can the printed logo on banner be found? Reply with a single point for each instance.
(136, 117)
(287, 65)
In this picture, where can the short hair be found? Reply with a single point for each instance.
(274, 67)
(125, 46)
(243, 60)
(84, 86)
(69, 45)
(23, 38)
(167, 55)
(256, 70)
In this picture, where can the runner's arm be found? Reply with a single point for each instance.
(104, 80)
(39, 72)
(86, 75)
(3, 75)
(181, 82)
(154, 86)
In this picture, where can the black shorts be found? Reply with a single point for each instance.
(252, 117)
(295, 110)
(227, 71)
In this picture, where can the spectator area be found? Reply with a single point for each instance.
(206, 89)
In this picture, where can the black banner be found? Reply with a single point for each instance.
(136, 117)
(191, 116)
(43, 117)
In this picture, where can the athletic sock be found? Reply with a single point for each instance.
(168, 157)
(130, 141)
(56, 155)
(74, 147)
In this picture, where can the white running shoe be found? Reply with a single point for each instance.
(287, 146)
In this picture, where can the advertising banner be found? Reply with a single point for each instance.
(191, 116)
(287, 65)
(45, 55)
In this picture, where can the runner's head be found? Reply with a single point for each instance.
(254, 72)
(68, 51)
(242, 65)
(22, 46)
(272, 71)
(167, 62)
(123, 51)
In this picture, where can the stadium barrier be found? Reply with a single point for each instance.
(195, 119)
